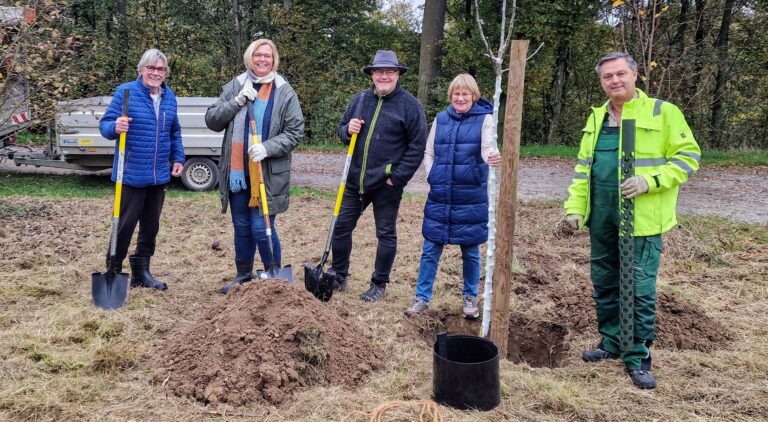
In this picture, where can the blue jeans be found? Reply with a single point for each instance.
(430, 257)
(250, 231)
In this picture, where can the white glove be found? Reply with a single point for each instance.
(574, 221)
(246, 94)
(257, 152)
(635, 185)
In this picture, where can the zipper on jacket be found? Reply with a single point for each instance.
(368, 142)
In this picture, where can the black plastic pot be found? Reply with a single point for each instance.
(465, 372)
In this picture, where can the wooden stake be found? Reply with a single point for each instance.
(507, 206)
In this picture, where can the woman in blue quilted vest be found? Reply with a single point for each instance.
(458, 152)
(153, 153)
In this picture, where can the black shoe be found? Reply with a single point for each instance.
(140, 275)
(643, 379)
(244, 274)
(374, 294)
(340, 284)
(598, 354)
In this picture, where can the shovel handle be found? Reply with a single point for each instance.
(343, 182)
(119, 178)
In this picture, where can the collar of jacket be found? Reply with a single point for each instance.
(480, 107)
(390, 95)
(640, 95)
(279, 79)
(146, 90)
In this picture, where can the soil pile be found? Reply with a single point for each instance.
(261, 343)
(679, 324)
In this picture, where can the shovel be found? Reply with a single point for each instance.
(109, 289)
(317, 281)
(285, 273)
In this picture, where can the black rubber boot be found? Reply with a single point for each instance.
(140, 275)
(244, 274)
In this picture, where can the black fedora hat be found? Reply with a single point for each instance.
(385, 59)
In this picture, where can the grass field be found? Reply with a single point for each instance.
(63, 359)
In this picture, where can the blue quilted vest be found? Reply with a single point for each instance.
(456, 211)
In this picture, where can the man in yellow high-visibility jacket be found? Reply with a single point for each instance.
(665, 156)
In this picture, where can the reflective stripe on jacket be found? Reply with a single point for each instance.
(666, 155)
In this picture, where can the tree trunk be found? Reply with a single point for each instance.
(432, 33)
(717, 122)
(557, 90)
(237, 34)
(510, 156)
(122, 41)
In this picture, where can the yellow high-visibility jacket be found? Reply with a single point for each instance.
(666, 155)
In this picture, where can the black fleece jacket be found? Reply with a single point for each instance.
(395, 147)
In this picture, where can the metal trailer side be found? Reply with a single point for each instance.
(79, 145)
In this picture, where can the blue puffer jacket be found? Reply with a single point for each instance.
(456, 211)
(152, 143)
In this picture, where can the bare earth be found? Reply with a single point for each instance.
(738, 193)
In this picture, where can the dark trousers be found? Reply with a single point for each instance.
(386, 204)
(140, 206)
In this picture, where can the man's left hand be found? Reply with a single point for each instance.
(634, 186)
(177, 169)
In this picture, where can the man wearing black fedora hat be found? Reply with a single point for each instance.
(392, 132)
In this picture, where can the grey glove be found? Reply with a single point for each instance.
(574, 221)
(634, 186)
(247, 93)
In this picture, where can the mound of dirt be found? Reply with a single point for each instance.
(261, 343)
(679, 324)
(535, 342)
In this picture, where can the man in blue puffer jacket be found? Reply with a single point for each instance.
(152, 144)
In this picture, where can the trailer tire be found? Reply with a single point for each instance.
(200, 174)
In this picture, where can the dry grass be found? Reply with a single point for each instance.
(63, 359)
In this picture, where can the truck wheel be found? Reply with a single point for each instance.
(200, 174)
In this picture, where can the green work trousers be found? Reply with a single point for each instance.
(604, 259)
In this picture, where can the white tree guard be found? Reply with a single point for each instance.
(490, 253)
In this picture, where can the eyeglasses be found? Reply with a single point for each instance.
(388, 72)
(261, 56)
(155, 69)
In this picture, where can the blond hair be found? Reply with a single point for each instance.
(465, 81)
(248, 55)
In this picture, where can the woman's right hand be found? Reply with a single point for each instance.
(354, 126)
(121, 124)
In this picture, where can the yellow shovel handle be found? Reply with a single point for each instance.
(343, 182)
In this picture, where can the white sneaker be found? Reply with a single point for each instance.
(471, 311)
(418, 306)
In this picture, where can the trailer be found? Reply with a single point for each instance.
(77, 144)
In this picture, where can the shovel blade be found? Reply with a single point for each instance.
(285, 274)
(109, 289)
(318, 282)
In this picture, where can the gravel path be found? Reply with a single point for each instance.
(737, 193)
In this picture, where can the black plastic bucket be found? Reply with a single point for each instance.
(465, 372)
